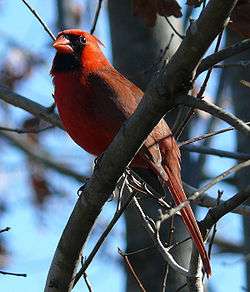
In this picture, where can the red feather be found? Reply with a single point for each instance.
(94, 100)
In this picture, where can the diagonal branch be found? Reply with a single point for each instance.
(207, 201)
(204, 188)
(158, 99)
(228, 52)
(212, 217)
(216, 152)
(215, 111)
(40, 156)
(30, 106)
(37, 109)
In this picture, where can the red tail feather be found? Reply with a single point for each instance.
(179, 196)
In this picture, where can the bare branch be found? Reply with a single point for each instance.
(212, 217)
(164, 251)
(132, 271)
(5, 229)
(242, 64)
(41, 156)
(174, 29)
(194, 280)
(30, 106)
(215, 111)
(13, 274)
(216, 152)
(225, 207)
(211, 241)
(102, 238)
(203, 189)
(157, 101)
(33, 11)
(25, 131)
(207, 201)
(190, 112)
(208, 135)
(97, 13)
(213, 59)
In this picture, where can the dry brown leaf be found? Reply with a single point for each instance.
(195, 3)
(240, 18)
(169, 8)
(148, 9)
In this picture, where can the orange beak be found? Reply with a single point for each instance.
(62, 45)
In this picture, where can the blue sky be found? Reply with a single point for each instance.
(33, 237)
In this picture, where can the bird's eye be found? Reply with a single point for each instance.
(82, 40)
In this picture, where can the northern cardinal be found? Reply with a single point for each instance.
(94, 100)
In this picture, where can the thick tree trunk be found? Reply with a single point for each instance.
(135, 49)
(240, 97)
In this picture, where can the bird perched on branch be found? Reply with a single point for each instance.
(94, 100)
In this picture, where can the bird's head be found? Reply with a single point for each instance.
(76, 49)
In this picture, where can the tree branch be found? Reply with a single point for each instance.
(30, 106)
(215, 111)
(40, 155)
(204, 188)
(164, 251)
(207, 201)
(39, 110)
(228, 52)
(158, 99)
(216, 152)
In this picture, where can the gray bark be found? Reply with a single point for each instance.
(135, 49)
(240, 98)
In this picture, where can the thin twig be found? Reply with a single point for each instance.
(13, 274)
(181, 287)
(102, 239)
(190, 113)
(131, 270)
(216, 152)
(241, 64)
(164, 251)
(211, 242)
(215, 58)
(208, 135)
(87, 282)
(33, 11)
(174, 29)
(225, 207)
(138, 250)
(209, 202)
(97, 13)
(205, 82)
(169, 242)
(215, 111)
(153, 68)
(203, 189)
(178, 243)
(25, 131)
(5, 229)
(85, 277)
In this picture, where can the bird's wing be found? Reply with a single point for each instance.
(110, 86)
(160, 150)
(123, 97)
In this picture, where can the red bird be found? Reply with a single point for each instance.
(94, 100)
